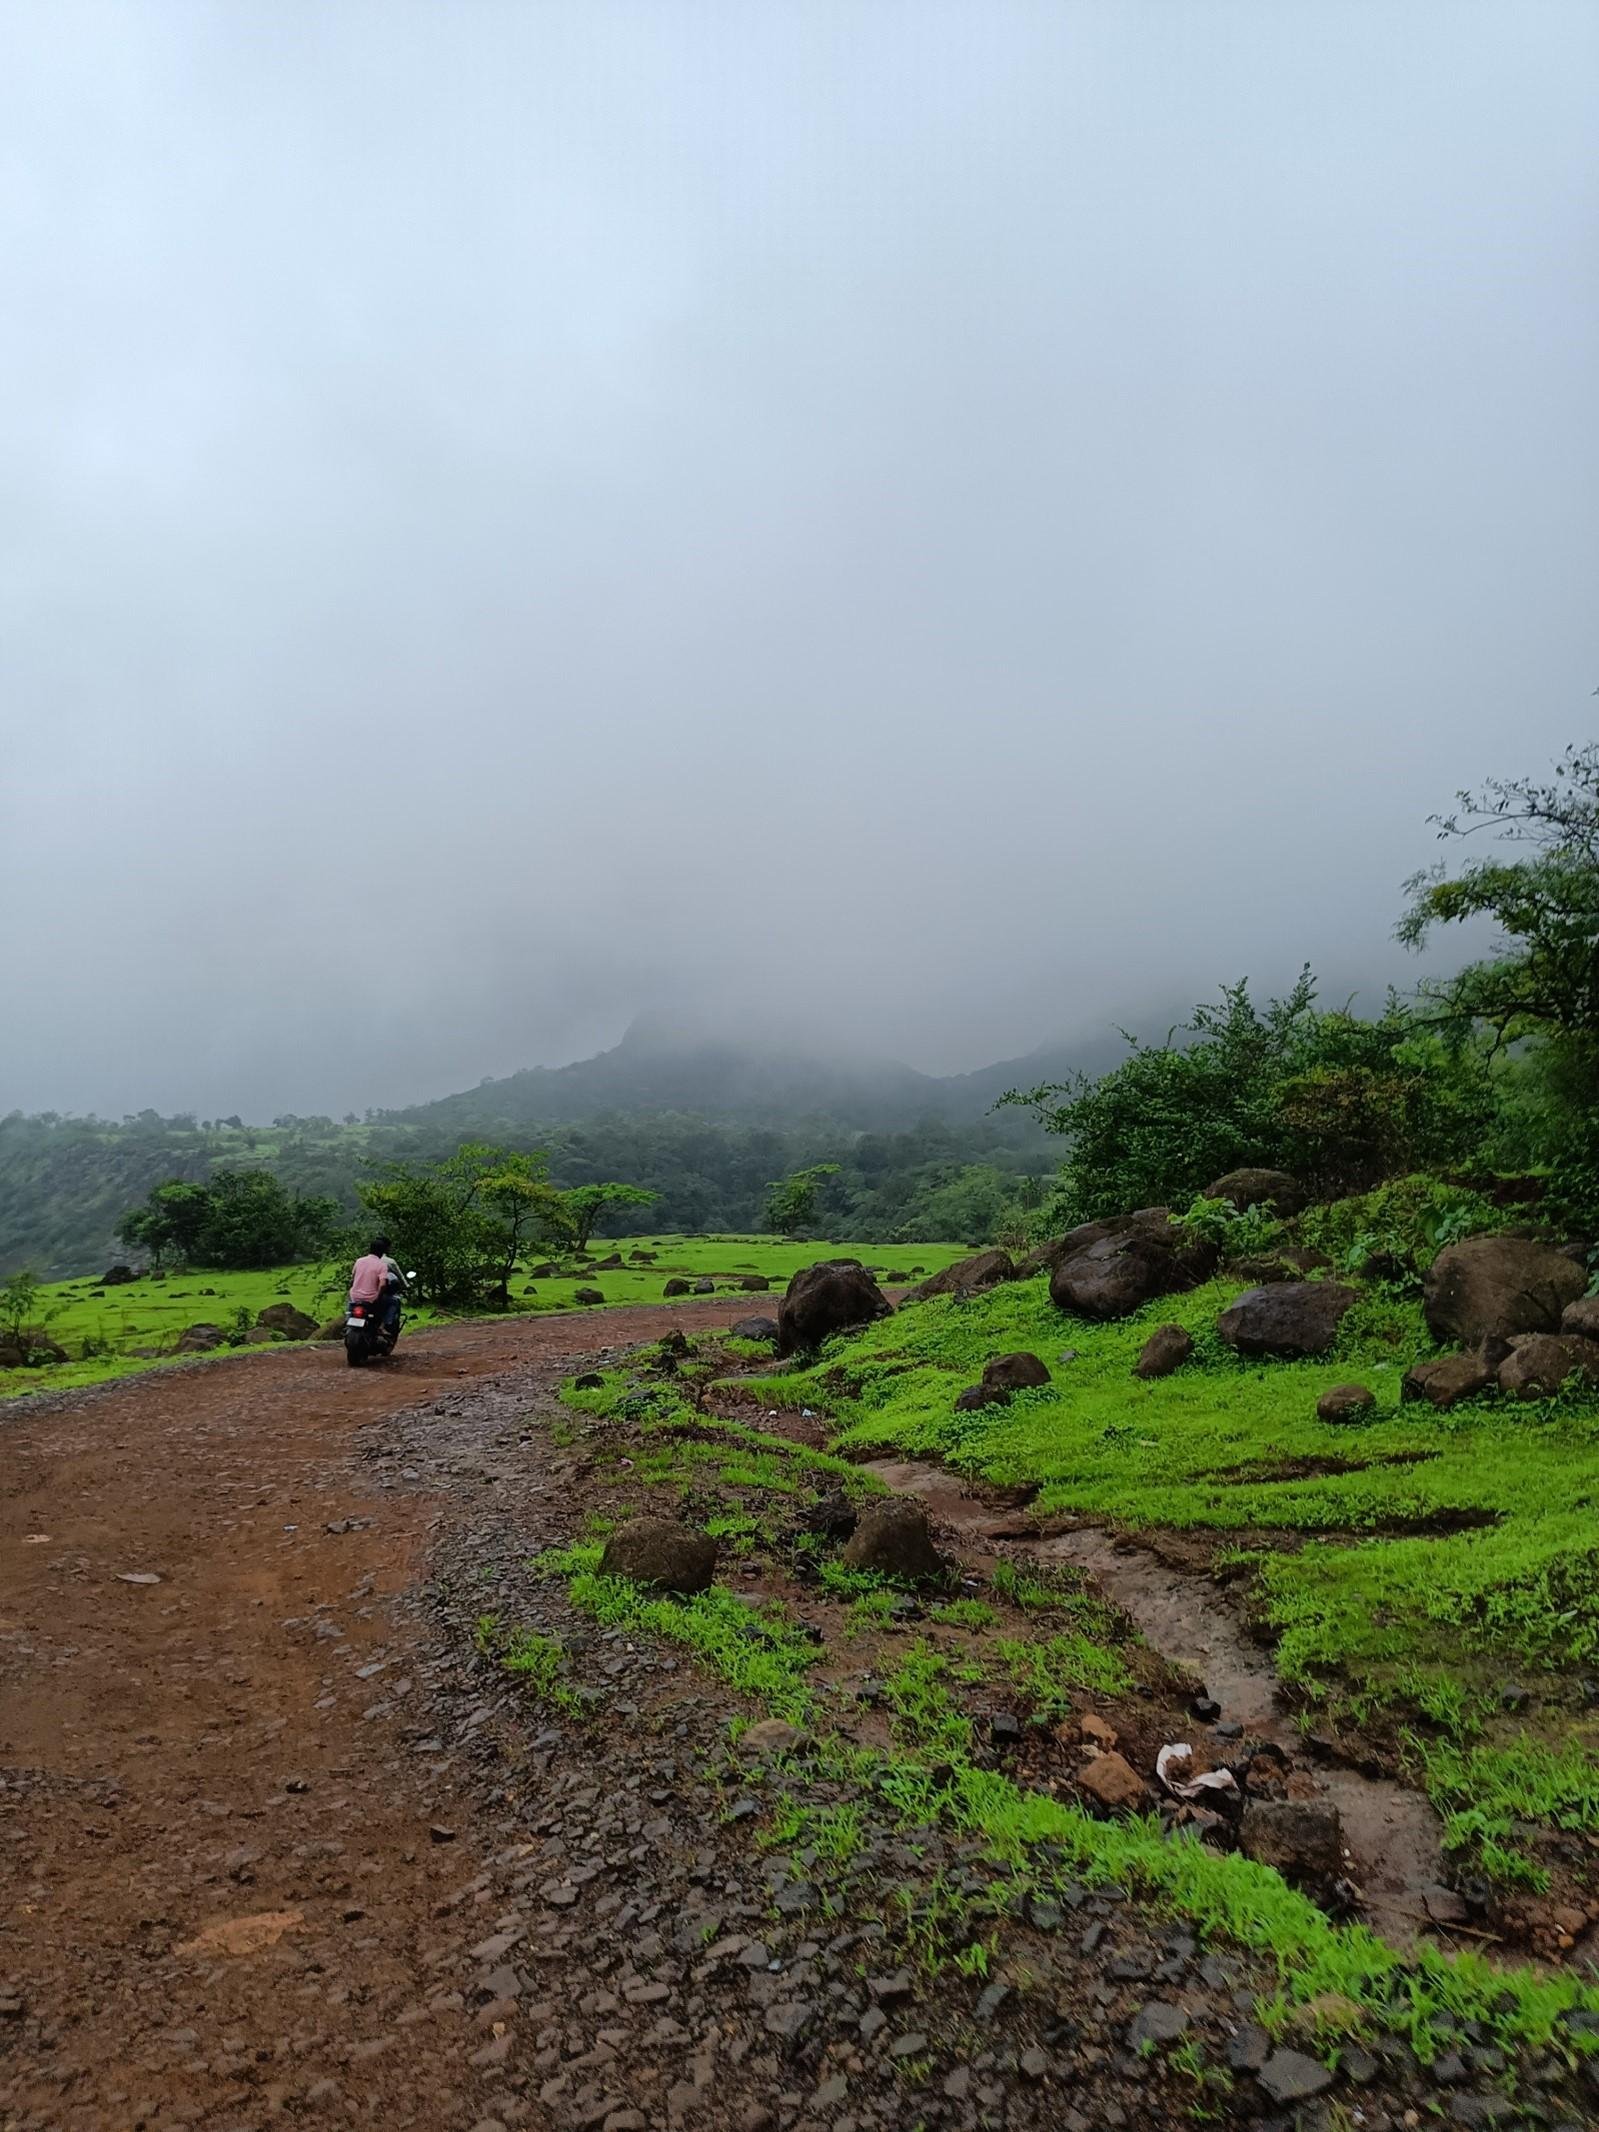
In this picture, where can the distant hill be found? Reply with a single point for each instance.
(703, 1122)
(656, 1067)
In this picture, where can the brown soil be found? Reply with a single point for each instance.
(209, 1865)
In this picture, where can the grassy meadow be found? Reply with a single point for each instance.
(101, 1328)
(1430, 1580)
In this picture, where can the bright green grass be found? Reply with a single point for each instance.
(149, 1313)
(1208, 1447)
(929, 1776)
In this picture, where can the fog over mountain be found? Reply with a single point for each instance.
(919, 530)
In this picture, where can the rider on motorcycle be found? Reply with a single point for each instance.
(376, 1275)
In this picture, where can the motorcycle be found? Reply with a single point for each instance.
(370, 1330)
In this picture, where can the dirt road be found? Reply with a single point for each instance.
(218, 1868)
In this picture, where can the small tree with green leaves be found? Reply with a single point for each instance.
(24, 1314)
(585, 1204)
(791, 1201)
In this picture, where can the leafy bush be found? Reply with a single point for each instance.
(1236, 1232)
(1339, 1100)
(1394, 1233)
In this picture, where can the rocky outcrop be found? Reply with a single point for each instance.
(588, 1295)
(675, 1286)
(1167, 1348)
(284, 1318)
(1498, 1286)
(1581, 1319)
(754, 1283)
(968, 1276)
(1248, 1188)
(661, 1553)
(117, 1276)
(827, 1298)
(892, 1539)
(1288, 1320)
(1540, 1363)
(1110, 1269)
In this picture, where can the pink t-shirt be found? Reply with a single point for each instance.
(370, 1278)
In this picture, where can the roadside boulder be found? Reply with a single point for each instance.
(1167, 1348)
(117, 1276)
(262, 1336)
(1248, 1188)
(200, 1339)
(704, 1285)
(588, 1295)
(1288, 1319)
(284, 1318)
(1498, 1286)
(764, 1329)
(1581, 1319)
(827, 1298)
(662, 1553)
(968, 1276)
(1113, 1784)
(1539, 1364)
(754, 1283)
(1345, 1405)
(1303, 1839)
(892, 1538)
(675, 1287)
(1449, 1380)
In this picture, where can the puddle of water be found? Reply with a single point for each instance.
(1391, 1831)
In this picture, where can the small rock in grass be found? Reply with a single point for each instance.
(893, 1539)
(1289, 2076)
(1014, 1373)
(1111, 1781)
(1301, 1838)
(1345, 1404)
(771, 1736)
(590, 1381)
(1157, 2023)
(662, 1553)
(1167, 1348)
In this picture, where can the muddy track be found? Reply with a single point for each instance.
(171, 1758)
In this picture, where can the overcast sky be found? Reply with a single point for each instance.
(947, 524)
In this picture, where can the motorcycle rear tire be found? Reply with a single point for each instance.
(355, 1353)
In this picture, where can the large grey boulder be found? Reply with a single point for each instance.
(755, 1329)
(1110, 1269)
(661, 1553)
(827, 1298)
(968, 1276)
(1002, 1376)
(200, 1339)
(1498, 1286)
(1287, 1320)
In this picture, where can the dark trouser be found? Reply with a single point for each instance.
(391, 1307)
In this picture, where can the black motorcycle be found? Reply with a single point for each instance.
(371, 1329)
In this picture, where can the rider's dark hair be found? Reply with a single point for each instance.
(380, 1247)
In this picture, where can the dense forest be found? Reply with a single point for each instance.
(66, 1183)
